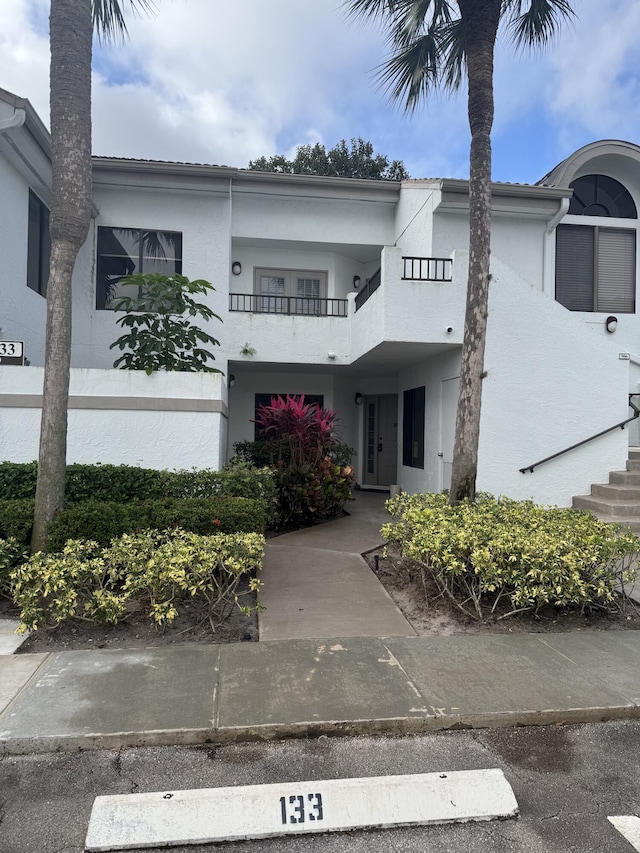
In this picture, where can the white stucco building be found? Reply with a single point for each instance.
(351, 291)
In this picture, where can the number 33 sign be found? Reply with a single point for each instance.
(11, 352)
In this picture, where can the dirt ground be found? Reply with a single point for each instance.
(430, 614)
(138, 631)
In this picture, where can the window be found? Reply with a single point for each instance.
(413, 428)
(38, 245)
(595, 263)
(291, 291)
(596, 268)
(124, 251)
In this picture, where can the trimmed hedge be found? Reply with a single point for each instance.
(101, 521)
(126, 483)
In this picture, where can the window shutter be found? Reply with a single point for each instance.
(616, 270)
(574, 267)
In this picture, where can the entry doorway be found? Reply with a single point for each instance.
(380, 440)
(448, 407)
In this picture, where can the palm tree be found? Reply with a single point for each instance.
(436, 43)
(71, 30)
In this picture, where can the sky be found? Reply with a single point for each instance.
(211, 82)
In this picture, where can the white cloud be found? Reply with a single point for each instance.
(208, 82)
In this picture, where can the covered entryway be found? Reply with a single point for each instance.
(380, 440)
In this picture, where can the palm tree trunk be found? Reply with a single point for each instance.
(480, 19)
(70, 37)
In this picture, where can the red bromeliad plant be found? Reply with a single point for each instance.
(300, 438)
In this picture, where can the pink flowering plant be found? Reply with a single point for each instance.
(300, 439)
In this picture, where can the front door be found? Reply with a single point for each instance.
(381, 440)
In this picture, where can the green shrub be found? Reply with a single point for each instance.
(16, 519)
(101, 521)
(240, 480)
(12, 554)
(18, 480)
(124, 483)
(525, 555)
(153, 569)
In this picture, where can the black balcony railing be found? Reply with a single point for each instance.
(299, 306)
(426, 269)
(372, 284)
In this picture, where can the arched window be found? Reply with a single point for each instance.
(596, 264)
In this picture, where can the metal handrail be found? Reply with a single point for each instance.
(370, 287)
(426, 269)
(621, 425)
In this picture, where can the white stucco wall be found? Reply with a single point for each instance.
(22, 310)
(516, 241)
(414, 218)
(303, 218)
(551, 382)
(174, 422)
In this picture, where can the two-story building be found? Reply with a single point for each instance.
(351, 292)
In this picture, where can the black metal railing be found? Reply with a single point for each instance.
(426, 269)
(371, 285)
(620, 425)
(299, 306)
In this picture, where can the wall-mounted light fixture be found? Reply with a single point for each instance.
(232, 380)
(358, 398)
(611, 324)
(236, 267)
(356, 281)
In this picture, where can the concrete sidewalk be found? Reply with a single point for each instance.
(195, 694)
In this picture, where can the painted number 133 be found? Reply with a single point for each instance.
(299, 808)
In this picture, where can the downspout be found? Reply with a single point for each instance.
(16, 120)
(548, 276)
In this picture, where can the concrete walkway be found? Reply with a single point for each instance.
(316, 583)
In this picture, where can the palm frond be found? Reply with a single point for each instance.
(454, 65)
(414, 70)
(534, 23)
(109, 22)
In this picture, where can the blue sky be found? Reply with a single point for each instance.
(204, 81)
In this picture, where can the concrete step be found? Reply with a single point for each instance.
(633, 464)
(634, 453)
(616, 491)
(628, 478)
(628, 509)
(632, 524)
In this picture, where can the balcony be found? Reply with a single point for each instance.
(413, 269)
(297, 306)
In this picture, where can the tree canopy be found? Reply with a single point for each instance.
(356, 160)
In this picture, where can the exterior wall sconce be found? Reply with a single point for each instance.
(232, 380)
(356, 281)
(236, 267)
(358, 399)
(611, 324)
